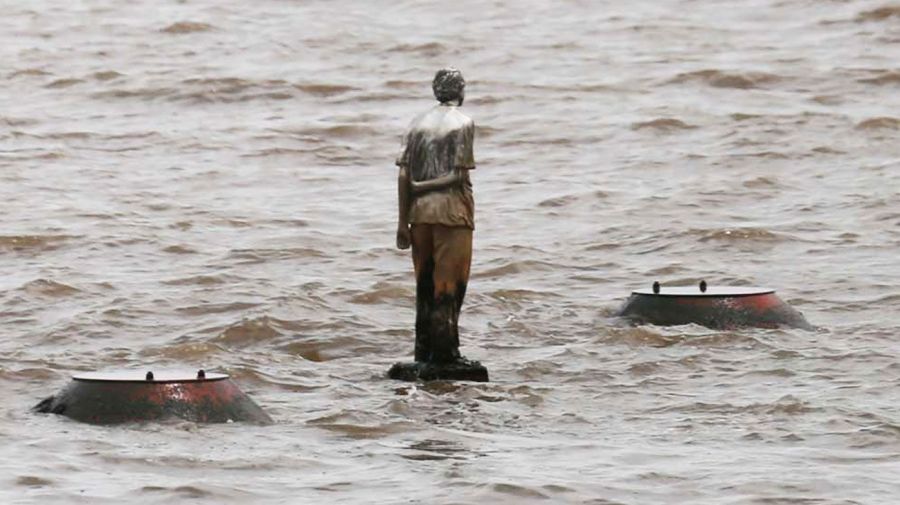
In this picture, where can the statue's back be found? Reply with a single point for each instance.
(437, 142)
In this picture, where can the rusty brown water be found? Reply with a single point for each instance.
(210, 184)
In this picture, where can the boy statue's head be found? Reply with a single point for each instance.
(449, 85)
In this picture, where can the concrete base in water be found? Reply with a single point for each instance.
(112, 398)
(713, 307)
(462, 370)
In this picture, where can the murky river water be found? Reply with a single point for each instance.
(210, 184)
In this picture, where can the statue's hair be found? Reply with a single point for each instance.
(448, 85)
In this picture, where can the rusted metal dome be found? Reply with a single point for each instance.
(132, 396)
(719, 307)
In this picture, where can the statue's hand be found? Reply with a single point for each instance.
(403, 237)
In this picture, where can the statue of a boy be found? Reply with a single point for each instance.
(437, 217)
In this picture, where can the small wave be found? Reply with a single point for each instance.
(274, 95)
(538, 370)
(737, 235)
(185, 351)
(17, 121)
(140, 93)
(182, 27)
(559, 201)
(325, 90)
(429, 49)
(702, 338)
(33, 481)
(786, 405)
(43, 375)
(514, 267)
(719, 79)
(198, 280)
(359, 425)
(52, 155)
(329, 347)
(28, 72)
(885, 78)
(216, 308)
(179, 249)
(63, 83)
(643, 336)
(405, 85)
(518, 491)
(263, 255)
(827, 150)
(106, 75)
(383, 294)
(761, 182)
(249, 331)
(772, 155)
(488, 100)
(662, 124)
(204, 97)
(216, 86)
(183, 492)
(575, 88)
(774, 372)
(519, 294)
(221, 84)
(708, 408)
(296, 383)
(276, 151)
(879, 14)
(78, 135)
(374, 96)
(435, 450)
(338, 131)
(32, 242)
(235, 223)
(237, 93)
(308, 350)
(828, 99)
(666, 271)
(340, 156)
(645, 369)
(289, 223)
(482, 131)
(741, 116)
(46, 287)
(887, 300)
(562, 201)
(133, 135)
(213, 89)
(878, 123)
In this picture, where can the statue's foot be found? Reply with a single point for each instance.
(461, 369)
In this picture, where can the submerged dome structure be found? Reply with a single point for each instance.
(132, 396)
(718, 307)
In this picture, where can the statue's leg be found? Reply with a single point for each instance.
(452, 261)
(423, 263)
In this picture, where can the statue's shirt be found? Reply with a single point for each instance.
(437, 142)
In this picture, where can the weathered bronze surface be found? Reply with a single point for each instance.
(436, 218)
(462, 370)
(113, 398)
(721, 307)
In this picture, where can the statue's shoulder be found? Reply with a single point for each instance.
(456, 120)
(460, 117)
(441, 119)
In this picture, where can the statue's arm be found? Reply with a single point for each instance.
(454, 178)
(403, 200)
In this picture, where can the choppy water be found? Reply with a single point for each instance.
(210, 184)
